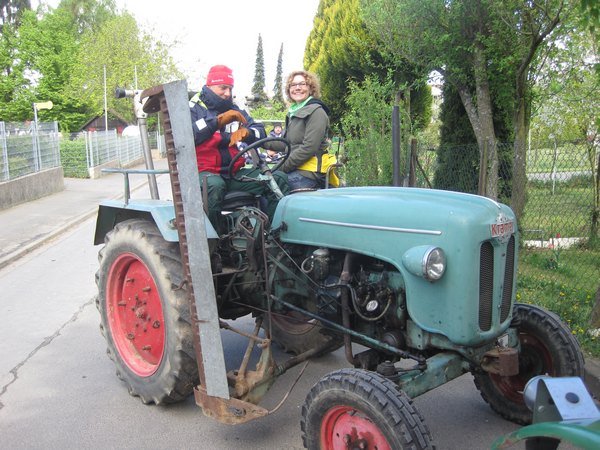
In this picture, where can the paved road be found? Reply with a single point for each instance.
(59, 390)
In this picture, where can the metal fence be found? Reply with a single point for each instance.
(86, 150)
(26, 149)
(102, 147)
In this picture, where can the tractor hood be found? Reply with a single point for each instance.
(372, 220)
(395, 224)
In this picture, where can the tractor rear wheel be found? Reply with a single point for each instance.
(296, 333)
(354, 408)
(547, 348)
(144, 312)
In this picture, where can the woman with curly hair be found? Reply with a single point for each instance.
(307, 130)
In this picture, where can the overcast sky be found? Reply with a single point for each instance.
(215, 32)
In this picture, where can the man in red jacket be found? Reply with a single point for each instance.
(219, 126)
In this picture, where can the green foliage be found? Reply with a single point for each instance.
(48, 45)
(591, 15)
(267, 113)
(120, 47)
(278, 100)
(368, 127)
(340, 50)
(73, 158)
(258, 88)
(566, 100)
(420, 106)
(15, 98)
(489, 51)
(458, 154)
(60, 55)
(89, 15)
(567, 289)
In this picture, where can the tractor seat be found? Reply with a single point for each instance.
(238, 199)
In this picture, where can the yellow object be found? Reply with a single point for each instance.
(327, 160)
(44, 105)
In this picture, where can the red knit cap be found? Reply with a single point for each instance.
(219, 75)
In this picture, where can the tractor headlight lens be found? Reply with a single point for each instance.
(426, 261)
(434, 264)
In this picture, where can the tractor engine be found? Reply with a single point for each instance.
(375, 291)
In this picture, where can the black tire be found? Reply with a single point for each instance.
(359, 405)
(144, 313)
(293, 331)
(547, 348)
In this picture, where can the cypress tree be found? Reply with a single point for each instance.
(278, 88)
(258, 89)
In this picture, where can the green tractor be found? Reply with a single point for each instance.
(425, 280)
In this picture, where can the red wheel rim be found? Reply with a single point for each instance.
(345, 427)
(534, 359)
(135, 315)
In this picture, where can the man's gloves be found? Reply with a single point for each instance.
(240, 134)
(230, 116)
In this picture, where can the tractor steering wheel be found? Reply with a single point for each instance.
(265, 170)
(266, 173)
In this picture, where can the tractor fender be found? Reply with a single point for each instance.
(159, 212)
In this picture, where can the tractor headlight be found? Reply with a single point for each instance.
(425, 261)
(434, 264)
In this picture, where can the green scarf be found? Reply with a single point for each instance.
(294, 107)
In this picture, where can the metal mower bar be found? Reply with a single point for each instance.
(246, 386)
(213, 393)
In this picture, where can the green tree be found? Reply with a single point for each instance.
(120, 47)
(13, 83)
(340, 50)
(43, 50)
(49, 46)
(591, 15)
(278, 100)
(458, 155)
(478, 46)
(258, 88)
(567, 102)
(64, 52)
(369, 159)
(89, 15)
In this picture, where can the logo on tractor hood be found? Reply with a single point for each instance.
(503, 228)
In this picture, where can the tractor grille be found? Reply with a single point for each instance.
(508, 279)
(486, 285)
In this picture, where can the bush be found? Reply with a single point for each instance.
(368, 127)
(73, 158)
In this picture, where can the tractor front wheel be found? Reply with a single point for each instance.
(547, 348)
(354, 408)
(144, 312)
